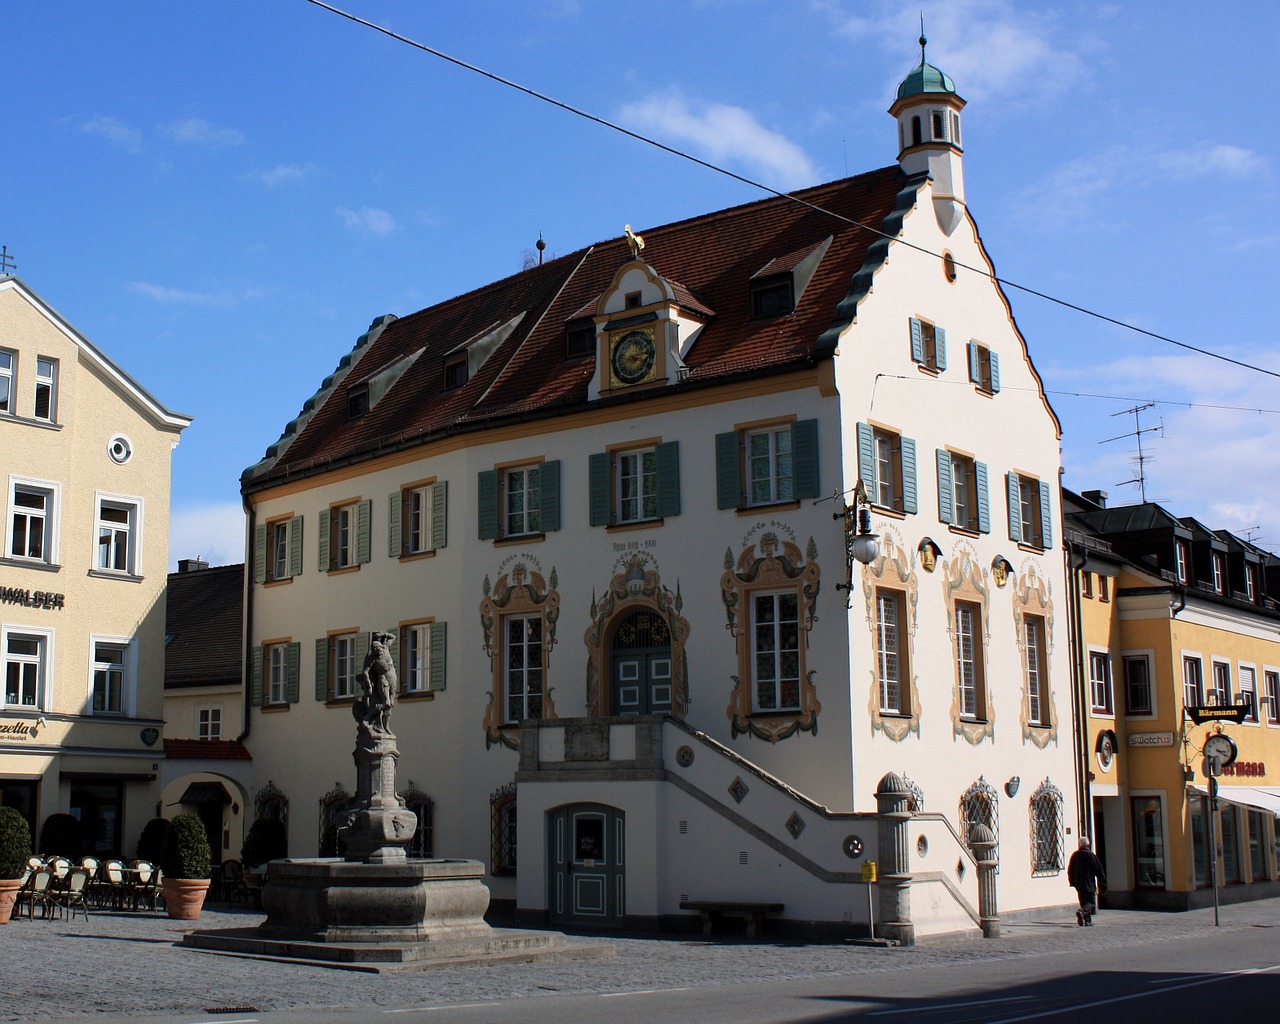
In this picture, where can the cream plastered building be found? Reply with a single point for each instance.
(1173, 616)
(86, 461)
(603, 508)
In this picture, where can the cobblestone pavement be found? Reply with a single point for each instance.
(129, 963)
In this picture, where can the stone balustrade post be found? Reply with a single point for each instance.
(983, 841)
(894, 867)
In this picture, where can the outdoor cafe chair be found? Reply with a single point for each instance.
(72, 898)
(110, 889)
(145, 879)
(38, 893)
(60, 866)
(233, 885)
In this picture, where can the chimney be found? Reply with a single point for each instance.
(192, 564)
(1099, 498)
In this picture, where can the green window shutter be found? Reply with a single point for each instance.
(322, 669)
(260, 554)
(1015, 508)
(439, 650)
(487, 506)
(395, 528)
(917, 341)
(804, 454)
(984, 502)
(292, 656)
(1046, 514)
(255, 677)
(975, 368)
(439, 514)
(946, 503)
(549, 499)
(362, 649)
(295, 546)
(910, 491)
(323, 541)
(364, 517)
(728, 471)
(668, 459)
(598, 480)
(867, 459)
(995, 372)
(940, 346)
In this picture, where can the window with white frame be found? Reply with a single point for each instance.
(887, 468)
(1100, 691)
(209, 723)
(637, 485)
(273, 679)
(277, 549)
(891, 652)
(345, 534)
(519, 501)
(1271, 680)
(26, 667)
(634, 486)
(1220, 691)
(524, 669)
(1180, 560)
(422, 657)
(46, 405)
(984, 368)
(964, 492)
(8, 361)
(342, 522)
(279, 537)
(970, 671)
(418, 518)
(775, 650)
(763, 464)
(110, 677)
(1249, 693)
(522, 501)
(345, 667)
(1037, 670)
(118, 533)
(1219, 573)
(770, 468)
(32, 523)
(277, 659)
(1137, 685)
(1192, 682)
(1251, 582)
(928, 345)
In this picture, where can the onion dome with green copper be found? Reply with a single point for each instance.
(925, 78)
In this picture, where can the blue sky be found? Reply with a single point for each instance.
(222, 195)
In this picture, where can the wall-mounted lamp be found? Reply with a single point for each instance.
(860, 544)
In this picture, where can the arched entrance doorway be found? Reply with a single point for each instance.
(587, 884)
(640, 665)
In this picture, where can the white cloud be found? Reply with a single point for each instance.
(282, 174)
(368, 220)
(1205, 159)
(214, 532)
(722, 133)
(181, 297)
(194, 131)
(114, 131)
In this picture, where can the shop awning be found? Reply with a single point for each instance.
(1264, 798)
(205, 793)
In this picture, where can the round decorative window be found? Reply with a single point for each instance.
(922, 845)
(1106, 750)
(949, 266)
(120, 449)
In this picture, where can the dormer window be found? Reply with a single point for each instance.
(1180, 560)
(633, 300)
(580, 338)
(455, 372)
(357, 401)
(1219, 576)
(772, 296)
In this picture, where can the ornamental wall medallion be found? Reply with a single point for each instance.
(770, 595)
(518, 616)
(1033, 626)
(890, 594)
(636, 586)
(967, 599)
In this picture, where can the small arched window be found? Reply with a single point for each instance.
(939, 125)
(917, 132)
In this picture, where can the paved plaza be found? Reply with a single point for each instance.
(130, 963)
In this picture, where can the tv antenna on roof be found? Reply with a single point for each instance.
(1142, 458)
(7, 262)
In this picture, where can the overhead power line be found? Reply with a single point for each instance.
(613, 126)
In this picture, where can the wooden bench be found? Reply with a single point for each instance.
(712, 910)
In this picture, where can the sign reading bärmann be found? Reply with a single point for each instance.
(1217, 713)
(30, 598)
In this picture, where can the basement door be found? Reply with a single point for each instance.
(586, 856)
(640, 666)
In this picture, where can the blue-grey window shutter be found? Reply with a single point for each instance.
(867, 459)
(940, 347)
(260, 554)
(804, 453)
(255, 677)
(322, 668)
(323, 541)
(1046, 514)
(292, 656)
(910, 492)
(917, 341)
(439, 514)
(728, 471)
(946, 503)
(549, 485)
(995, 372)
(364, 527)
(667, 456)
(438, 636)
(295, 546)
(395, 527)
(598, 496)
(487, 506)
(1015, 508)
(362, 649)
(984, 501)
(975, 364)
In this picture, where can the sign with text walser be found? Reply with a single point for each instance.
(1217, 713)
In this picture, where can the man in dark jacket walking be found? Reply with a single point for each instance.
(1084, 875)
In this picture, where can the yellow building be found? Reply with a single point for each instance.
(82, 577)
(1170, 617)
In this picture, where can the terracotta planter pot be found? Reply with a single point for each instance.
(8, 895)
(184, 897)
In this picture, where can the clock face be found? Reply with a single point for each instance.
(633, 357)
(1220, 748)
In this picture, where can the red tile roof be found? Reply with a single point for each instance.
(203, 617)
(713, 257)
(220, 750)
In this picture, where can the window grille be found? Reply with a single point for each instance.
(980, 805)
(1046, 829)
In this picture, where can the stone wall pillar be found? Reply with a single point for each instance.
(894, 867)
(983, 841)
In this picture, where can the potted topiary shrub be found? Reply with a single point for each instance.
(184, 861)
(62, 835)
(15, 850)
(151, 842)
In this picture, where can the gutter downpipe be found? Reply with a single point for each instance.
(251, 512)
(1084, 806)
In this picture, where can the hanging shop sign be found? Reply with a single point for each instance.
(19, 730)
(1150, 739)
(1218, 713)
(31, 598)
